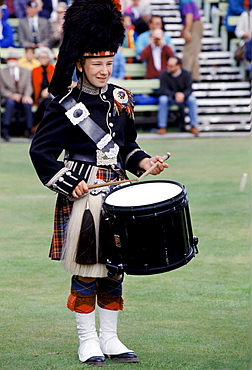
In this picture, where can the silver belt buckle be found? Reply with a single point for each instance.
(103, 160)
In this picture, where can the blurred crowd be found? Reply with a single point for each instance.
(39, 34)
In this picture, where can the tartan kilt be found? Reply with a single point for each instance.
(62, 215)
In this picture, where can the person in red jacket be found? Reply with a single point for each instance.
(156, 54)
(41, 77)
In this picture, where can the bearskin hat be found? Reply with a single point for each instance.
(92, 28)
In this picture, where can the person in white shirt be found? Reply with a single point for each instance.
(243, 29)
(156, 54)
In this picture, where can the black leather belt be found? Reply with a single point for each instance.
(88, 158)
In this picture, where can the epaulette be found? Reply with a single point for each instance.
(123, 99)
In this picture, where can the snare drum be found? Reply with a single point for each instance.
(151, 225)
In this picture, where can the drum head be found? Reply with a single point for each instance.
(142, 194)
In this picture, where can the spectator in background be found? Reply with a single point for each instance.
(143, 40)
(126, 3)
(29, 60)
(41, 77)
(6, 30)
(16, 91)
(192, 33)
(136, 9)
(176, 88)
(49, 9)
(33, 31)
(235, 7)
(142, 24)
(20, 8)
(243, 30)
(10, 6)
(133, 10)
(56, 26)
(5, 9)
(118, 72)
(156, 54)
(130, 34)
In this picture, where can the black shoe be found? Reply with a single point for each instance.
(6, 137)
(5, 134)
(96, 361)
(124, 357)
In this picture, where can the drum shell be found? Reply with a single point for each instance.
(152, 238)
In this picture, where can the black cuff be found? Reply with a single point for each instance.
(66, 183)
(134, 160)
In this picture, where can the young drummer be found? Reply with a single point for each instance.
(94, 124)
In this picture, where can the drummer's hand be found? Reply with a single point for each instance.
(80, 189)
(146, 163)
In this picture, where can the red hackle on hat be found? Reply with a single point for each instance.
(117, 4)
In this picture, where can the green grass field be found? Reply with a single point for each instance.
(195, 317)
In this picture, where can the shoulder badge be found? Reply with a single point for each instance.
(123, 99)
(120, 96)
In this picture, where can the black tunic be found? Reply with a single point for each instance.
(57, 133)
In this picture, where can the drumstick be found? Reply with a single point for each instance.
(110, 183)
(166, 156)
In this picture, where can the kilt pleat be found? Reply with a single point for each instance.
(62, 214)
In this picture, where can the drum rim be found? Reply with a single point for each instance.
(182, 194)
(129, 270)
